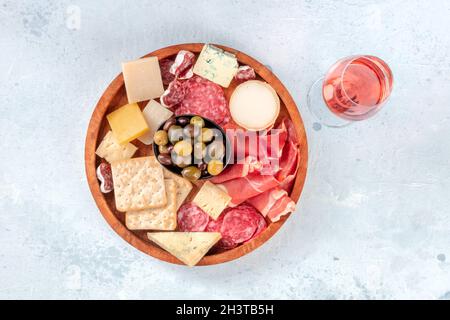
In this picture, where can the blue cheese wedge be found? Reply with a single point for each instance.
(212, 199)
(188, 247)
(216, 65)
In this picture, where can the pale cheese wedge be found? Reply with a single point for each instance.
(155, 114)
(212, 199)
(188, 247)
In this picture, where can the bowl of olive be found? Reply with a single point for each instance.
(192, 146)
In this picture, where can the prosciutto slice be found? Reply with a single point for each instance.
(243, 188)
(238, 170)
(273, 203)
(288, 164)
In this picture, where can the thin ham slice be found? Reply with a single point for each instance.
(283, 206)
(288, 163)
(273, 203)
(266, 200)
(238, 170)
(243, 188)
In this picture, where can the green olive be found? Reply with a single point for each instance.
(215, 150)
(189, 131)
(215, 167)
(175, 134)
(207, 134)
(198, 121)
(180, 161)
(199, 150)
(160, 138)
(191, 173)
(183, 148)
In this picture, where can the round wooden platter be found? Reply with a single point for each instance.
(115, 97)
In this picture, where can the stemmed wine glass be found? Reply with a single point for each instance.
(354, 88)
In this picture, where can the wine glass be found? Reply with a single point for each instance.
(354, 88)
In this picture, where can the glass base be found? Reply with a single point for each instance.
(319, 109)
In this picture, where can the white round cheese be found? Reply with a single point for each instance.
(254, 105)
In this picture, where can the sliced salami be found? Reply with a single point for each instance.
(174, 94)
(261, 223)
(191, 218)
(183, 65)
(245, 73)
(165, 65)
(104, 174)
(205, 99)
(239, 224)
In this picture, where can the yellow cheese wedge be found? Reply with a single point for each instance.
(127, 123)
(188, 247)
(254, 105)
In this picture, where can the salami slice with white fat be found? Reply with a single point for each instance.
(239, 224)
(206, 99)
(174, 94)
(261, 223)
(183, 65)
(104, 174)
(166, 76)
(245, 73)
(191, 218)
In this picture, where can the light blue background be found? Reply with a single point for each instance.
(373, 220)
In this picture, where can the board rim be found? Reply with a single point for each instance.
(146, 246)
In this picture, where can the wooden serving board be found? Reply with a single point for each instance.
(115, 97)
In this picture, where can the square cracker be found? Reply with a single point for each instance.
(138, 184)
(164, 218)
(110, 150)
(184, 186)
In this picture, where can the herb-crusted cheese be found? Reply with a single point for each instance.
(216, 65)
(188, 247)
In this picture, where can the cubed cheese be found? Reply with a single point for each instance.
(216, 65)
(127, 123)
(212, 199)
(142, 79)
(110, 150)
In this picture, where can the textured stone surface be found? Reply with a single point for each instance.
(374, 218)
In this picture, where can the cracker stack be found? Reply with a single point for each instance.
(149, 194)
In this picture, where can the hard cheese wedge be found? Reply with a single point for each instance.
(110, 150)
(188, 247)
(216, 65)
(254, 105)
(142, 79)
(127, 123)
(155, 114)
(212, 199)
